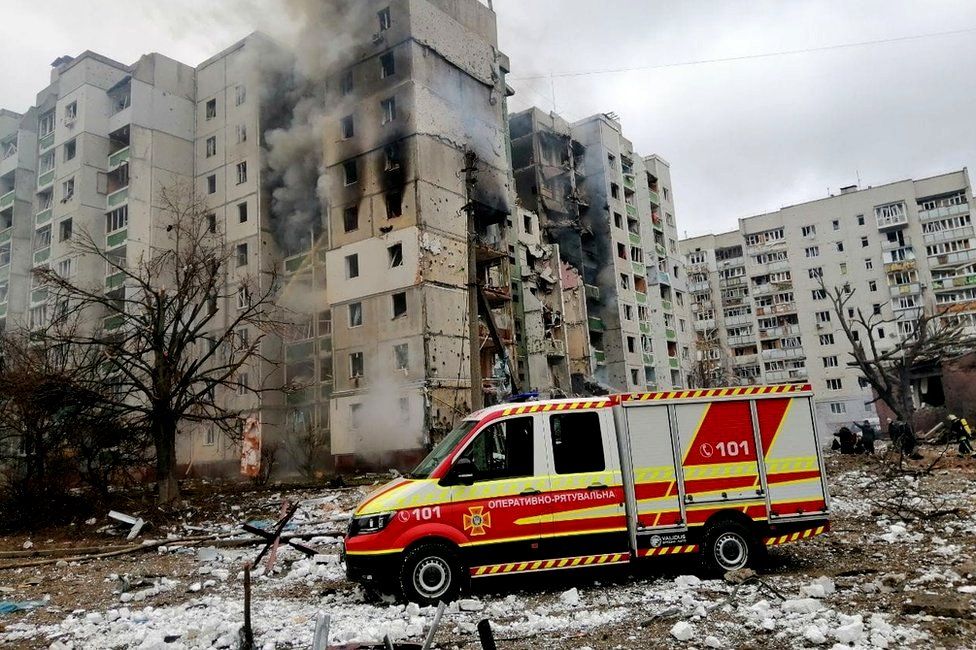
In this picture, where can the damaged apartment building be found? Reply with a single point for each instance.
(375, 183)
(610, 212)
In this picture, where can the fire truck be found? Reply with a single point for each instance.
(571, 483)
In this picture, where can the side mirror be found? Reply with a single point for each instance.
(461, 473)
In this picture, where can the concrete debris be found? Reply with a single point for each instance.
(135, 523)
(739, 576)
(570, 597)
(683, 631)
(937, 605)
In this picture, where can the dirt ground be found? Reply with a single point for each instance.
(902, 548)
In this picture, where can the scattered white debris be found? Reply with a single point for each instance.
(683, 631)
(684, 582)
(570, 597)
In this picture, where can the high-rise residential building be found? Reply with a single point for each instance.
(611, 212)
(759, 310)
(18, 179)
(418, 189)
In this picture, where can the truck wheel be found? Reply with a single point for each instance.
(728, 546)
(431, 573)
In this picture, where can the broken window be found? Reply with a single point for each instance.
(212, 223)
(355, 416)
(350, 218)
(401, 356)
(42, 238)
(71, 111)
(399, 305)
(241, 173)
(394, 204)
(65, 268)
(355, 314)
(614, 190)
(631, 344)
(618, 220)
(243, 298)
(212, 184)
(242, 254)
(350, 172)
(392, 158)
(386, 20)
(240, 94)
(70, 150)
(352, 266)
(64, 230)
(577, 443)
(356, 365)
(67, 189)
(242, 212)
(117, 219)
(388, 107)
(347, 127)
(527, 223)
(346, 84)
(211, 109)
(396, 255)
(621, 251)
(211, 146)
(387, 65)
(5, 254)
(243, 383)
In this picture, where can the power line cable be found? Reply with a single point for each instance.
(746, 57)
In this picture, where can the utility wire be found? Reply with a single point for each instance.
(746, 57)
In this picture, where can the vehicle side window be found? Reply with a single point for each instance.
(577, 443)
(503, 450)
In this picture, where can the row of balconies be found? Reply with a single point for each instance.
(942, 213)
(948, 235)
(794, 374)
(783, 353)
(950, 284)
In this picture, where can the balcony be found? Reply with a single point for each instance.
(555, 349)
(655, 198)
(949, 284)
(657, 223)
(942, 213)
(629, 181)
(666, 305)
(745, 359)
(596, 324)
(635, 239)
(777, 266)
(951, 259)
(118, 197)
(600, 356)
(42, 255)
(732, 282)
(118, 158)
(783, 353)
(742, 319)
(639, 268)
(890, 217)
(631, 211)
(670, 334)
(7, 200)
(114, 322)
(674, 362)
(889, 246)
(699, 287)
(5, 235)
(46, 142)
(704, 325)
(116, 238)
(648, 359)
(782, 308)
(737, 341)
(645, 328)
(641, 298)
(592, 292)
(905, 289)
(45, 179)
(114, 281)
(962, 232)
(664, 278)
(293, 264)
(42, 217)
(661, 250)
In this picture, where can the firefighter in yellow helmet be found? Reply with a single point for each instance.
(960, 431)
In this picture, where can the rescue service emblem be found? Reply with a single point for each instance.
(477, 521)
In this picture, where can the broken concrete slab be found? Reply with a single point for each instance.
(136, 523)
(944, 605)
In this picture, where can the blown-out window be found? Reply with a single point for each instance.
(503, 450)
(577, 443)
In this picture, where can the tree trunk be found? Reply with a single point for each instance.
(166, 479)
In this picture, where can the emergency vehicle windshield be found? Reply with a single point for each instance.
(441, 450)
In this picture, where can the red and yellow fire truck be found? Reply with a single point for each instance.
(562, 484)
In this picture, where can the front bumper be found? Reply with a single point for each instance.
(372, 569)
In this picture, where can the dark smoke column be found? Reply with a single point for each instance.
(418, 83)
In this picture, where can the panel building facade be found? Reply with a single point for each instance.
(758, 308)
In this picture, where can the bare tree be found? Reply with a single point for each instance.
(887, 366)
(175, 330)
(52, 431)
(309, 449)
(710, 368)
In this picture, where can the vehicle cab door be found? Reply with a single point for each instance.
(500, 513)
(586, 502)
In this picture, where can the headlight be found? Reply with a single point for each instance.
(369, 523)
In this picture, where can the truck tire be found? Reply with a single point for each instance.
(727, 546)
(431, 573)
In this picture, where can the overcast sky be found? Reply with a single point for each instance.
(742, 137)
